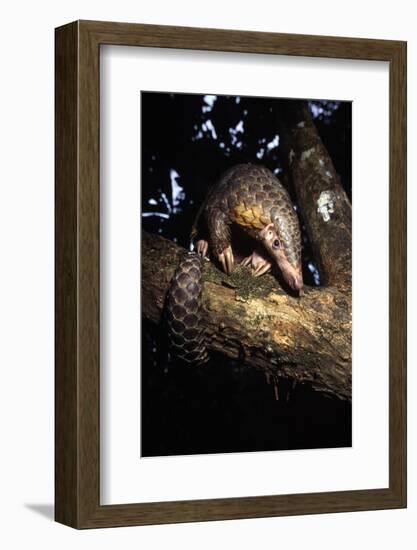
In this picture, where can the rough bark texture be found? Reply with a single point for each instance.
(324, 206)
(305, 339)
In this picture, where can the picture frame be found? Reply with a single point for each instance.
(77, 336)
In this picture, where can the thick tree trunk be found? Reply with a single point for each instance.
(324, 206)
(305, 339)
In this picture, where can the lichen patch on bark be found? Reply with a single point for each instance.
(326, 204)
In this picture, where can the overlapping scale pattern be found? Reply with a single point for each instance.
(251, 196)
(184, 311)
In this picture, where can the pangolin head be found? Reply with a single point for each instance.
(282, 239)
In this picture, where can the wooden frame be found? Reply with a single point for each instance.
(77, 274)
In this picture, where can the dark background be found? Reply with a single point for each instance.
(224, 406)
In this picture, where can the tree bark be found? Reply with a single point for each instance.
(305, 339)
(324, 206)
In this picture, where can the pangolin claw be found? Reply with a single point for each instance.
(227, 260)
(262, 268)
(258, 263)
(202, 248)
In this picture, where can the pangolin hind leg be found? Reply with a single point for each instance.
(219, 231)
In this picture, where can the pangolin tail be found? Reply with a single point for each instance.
(184, 312)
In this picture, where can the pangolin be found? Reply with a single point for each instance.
(250, 198)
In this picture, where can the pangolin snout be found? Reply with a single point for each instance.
(295, 281)
(293, 277)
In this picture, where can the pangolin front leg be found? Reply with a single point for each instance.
(226, 259)
(258, 263)
(218, 226)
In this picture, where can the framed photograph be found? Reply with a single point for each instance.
(230, 274)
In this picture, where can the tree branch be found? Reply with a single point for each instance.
(305, 339)
(324, 205)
